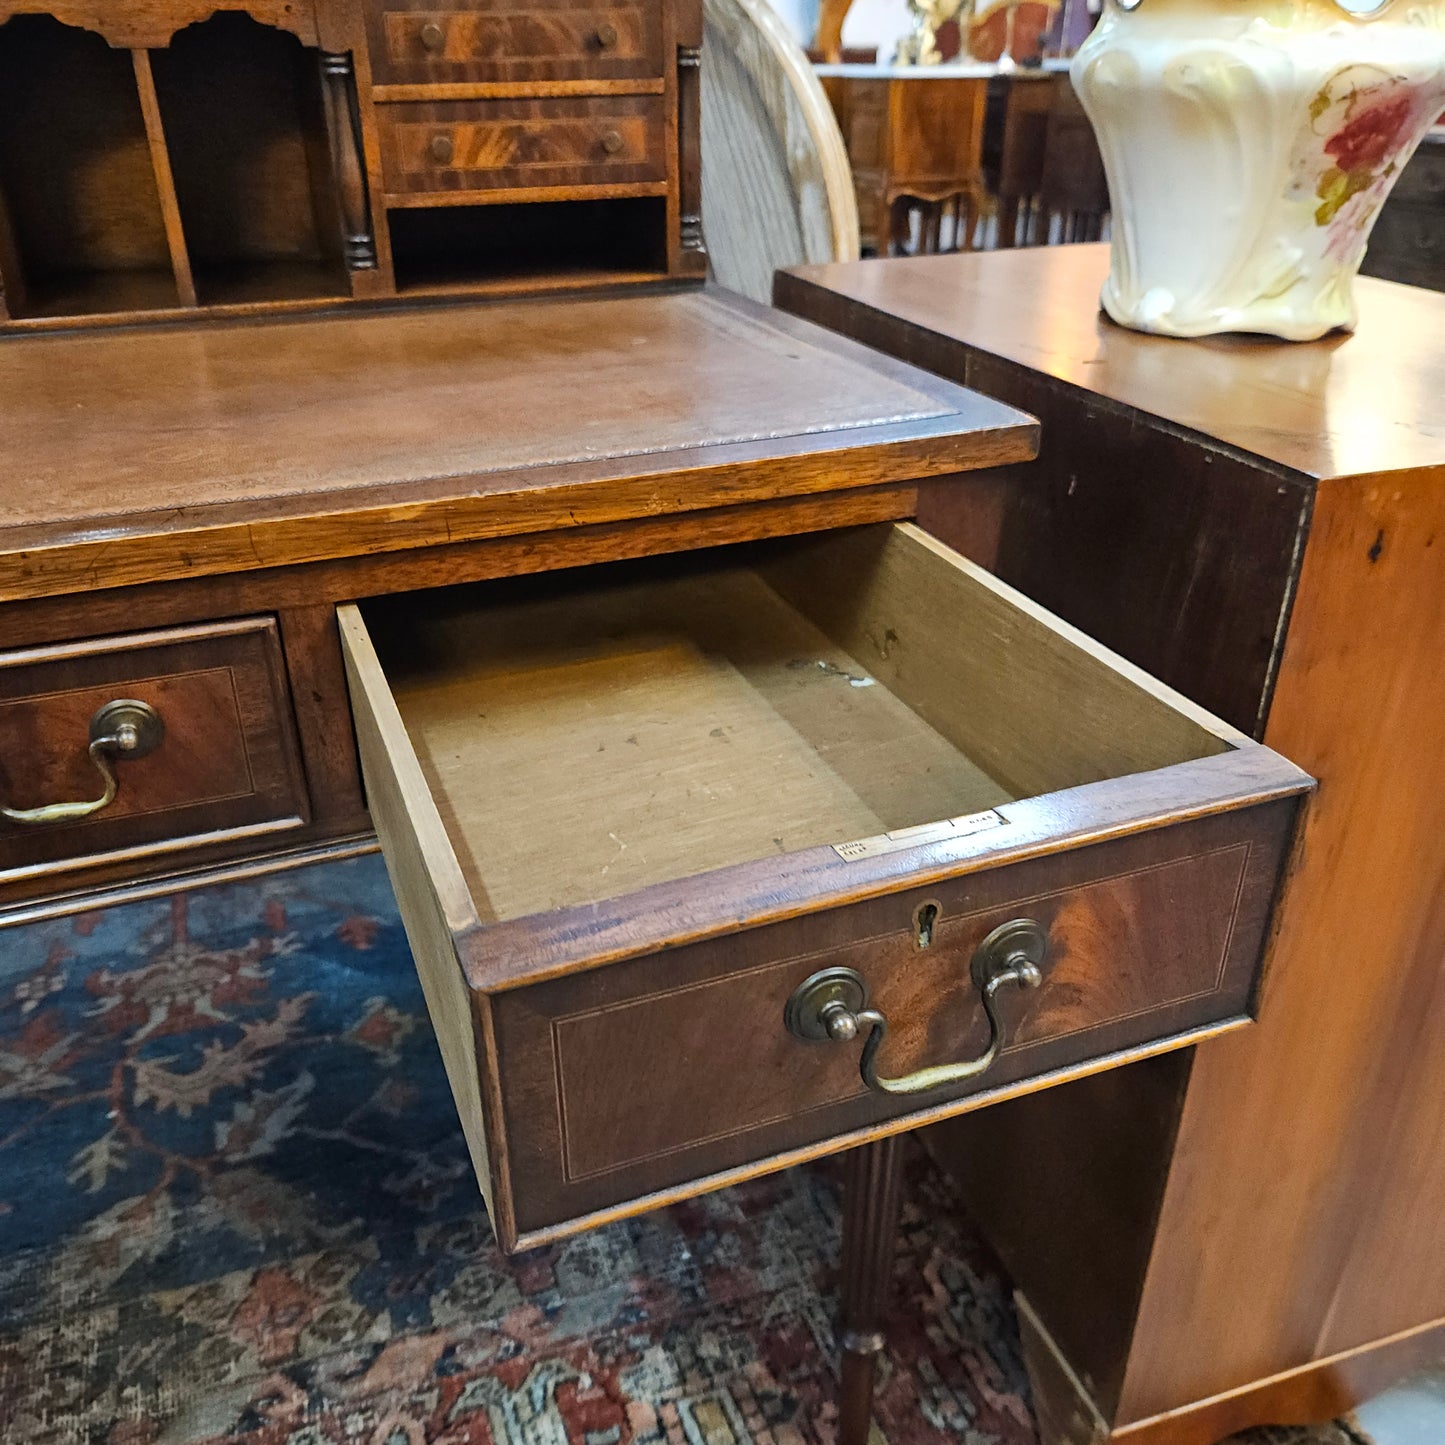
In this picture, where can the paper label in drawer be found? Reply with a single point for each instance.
(922, 833)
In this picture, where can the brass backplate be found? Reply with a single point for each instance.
(803, 1012)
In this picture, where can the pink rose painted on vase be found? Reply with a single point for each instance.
(1362, 126)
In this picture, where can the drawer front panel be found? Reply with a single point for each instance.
(562, 41)
(227, 761)
(495, 145)
(601, 1072)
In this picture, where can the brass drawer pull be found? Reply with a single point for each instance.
(433, 37)
(442, 149)
(833, 1004)
(611, 141)
(124, 728)
(607, 35)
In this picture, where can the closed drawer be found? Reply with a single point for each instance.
(507, 144)
(217, 756)
(546, 40)
(641, 820)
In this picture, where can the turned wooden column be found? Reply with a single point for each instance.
(692, 247)
(872, 1193)
(343, 127)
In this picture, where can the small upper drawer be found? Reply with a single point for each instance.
(188, 729)
(490, 145)
(658, 830)
(516, 42)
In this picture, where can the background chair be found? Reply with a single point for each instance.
(776, 187)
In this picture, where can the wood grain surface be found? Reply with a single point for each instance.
(585, 1140)
(1340, 1095)
(305, 599)
(1253, 1239)
(227, 762)
(435, 907)
(703, 778)
(150, 24)
(1317, 408)
(238, 447)
(447, 147)
(419, 42)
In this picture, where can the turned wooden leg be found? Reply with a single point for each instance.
(872, 1189)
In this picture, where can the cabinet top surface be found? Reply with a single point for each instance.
(1369, 402)
(145, 455)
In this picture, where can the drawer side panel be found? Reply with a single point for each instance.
(417, 851)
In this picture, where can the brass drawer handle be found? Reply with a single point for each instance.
(442, 149)
(433, 37)
(833, 1004)
(124, 728)
(611, 142)
(607, 35)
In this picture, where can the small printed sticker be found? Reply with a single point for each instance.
(924, 833)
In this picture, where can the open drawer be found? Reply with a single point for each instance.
(675, 840)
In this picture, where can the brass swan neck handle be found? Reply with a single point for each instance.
(123, 728)
(833, 1004)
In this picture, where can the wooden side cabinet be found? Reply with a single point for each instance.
(1251, 1234)
(913, 134)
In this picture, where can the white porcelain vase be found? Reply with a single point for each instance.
(1249, 147)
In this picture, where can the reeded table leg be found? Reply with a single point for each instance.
(871, 1199)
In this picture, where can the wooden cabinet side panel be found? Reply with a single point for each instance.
(1178, 555)
(1304, 1211)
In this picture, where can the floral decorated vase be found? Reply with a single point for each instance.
(1249, 146)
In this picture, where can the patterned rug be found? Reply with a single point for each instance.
(235, 1206)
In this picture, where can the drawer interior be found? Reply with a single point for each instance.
(586, 734)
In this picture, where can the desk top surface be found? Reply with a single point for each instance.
(1348, 405)
(145, 455)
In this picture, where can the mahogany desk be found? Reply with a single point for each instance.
(1255, 1232)
(731, 813)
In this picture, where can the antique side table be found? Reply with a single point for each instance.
(913, 133)
(1251, 1232)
